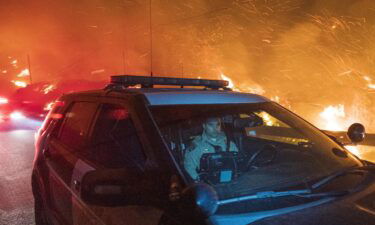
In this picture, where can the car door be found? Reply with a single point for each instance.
(115, 144)
(69, 139)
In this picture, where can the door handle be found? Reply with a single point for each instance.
(46, 153)
(76, 184)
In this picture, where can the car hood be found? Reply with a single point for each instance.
(358, 208)
(340, 212)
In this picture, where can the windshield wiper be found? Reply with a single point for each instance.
(305, 193)
(339, 173)
(265, 194)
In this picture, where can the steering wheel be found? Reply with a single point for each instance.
(262, 157)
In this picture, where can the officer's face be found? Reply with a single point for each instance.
(212, 127)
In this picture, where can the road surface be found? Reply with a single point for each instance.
(16, 156)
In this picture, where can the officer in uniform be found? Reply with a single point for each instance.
(211, 140)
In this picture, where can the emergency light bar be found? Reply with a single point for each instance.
(149, 82)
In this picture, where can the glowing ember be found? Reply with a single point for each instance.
(97, 71)
(4, 71)
(14, 62)
(24, 73)
(48, 88)
(48, 106)
(19, 83)
(331, 114)
(3, 100)
(367, 78)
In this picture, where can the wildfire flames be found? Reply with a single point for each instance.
(370, 84)
(24, 73)
(255, 89)
(48, 106)
(332, 116)
(19, 83)
(48, 88)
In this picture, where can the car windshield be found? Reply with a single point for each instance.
(240, 149)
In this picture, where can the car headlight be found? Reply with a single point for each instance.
(17, 115)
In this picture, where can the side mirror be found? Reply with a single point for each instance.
(112, 187)
(200, 199)
(356, 132)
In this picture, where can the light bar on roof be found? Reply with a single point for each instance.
(144, 81)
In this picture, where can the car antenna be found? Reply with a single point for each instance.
(182, 73)
(29, 68)
(151, 38)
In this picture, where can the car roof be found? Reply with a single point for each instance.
(191, 96)
(180, 96)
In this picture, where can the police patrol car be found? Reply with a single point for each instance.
(118, 156)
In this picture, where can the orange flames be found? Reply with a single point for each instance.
(24, 73)
(19, 83)
(369, 83)
(14, 62)
(231, 84)
(334, 117)
(48, 106)
(331, 116)
(255, 89)
(48, 88)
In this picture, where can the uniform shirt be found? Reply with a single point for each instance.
(201, 145)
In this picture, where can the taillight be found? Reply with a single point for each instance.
(3, 100)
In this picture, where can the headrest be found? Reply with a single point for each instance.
(190, 129)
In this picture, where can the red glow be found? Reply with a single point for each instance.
(59, 103)
(120, 114)
(57, 116)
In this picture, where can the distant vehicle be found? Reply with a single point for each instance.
(34, 101)
(119, 155)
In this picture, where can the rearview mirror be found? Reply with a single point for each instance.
(356, 132)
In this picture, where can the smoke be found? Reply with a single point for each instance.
(310, 53)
